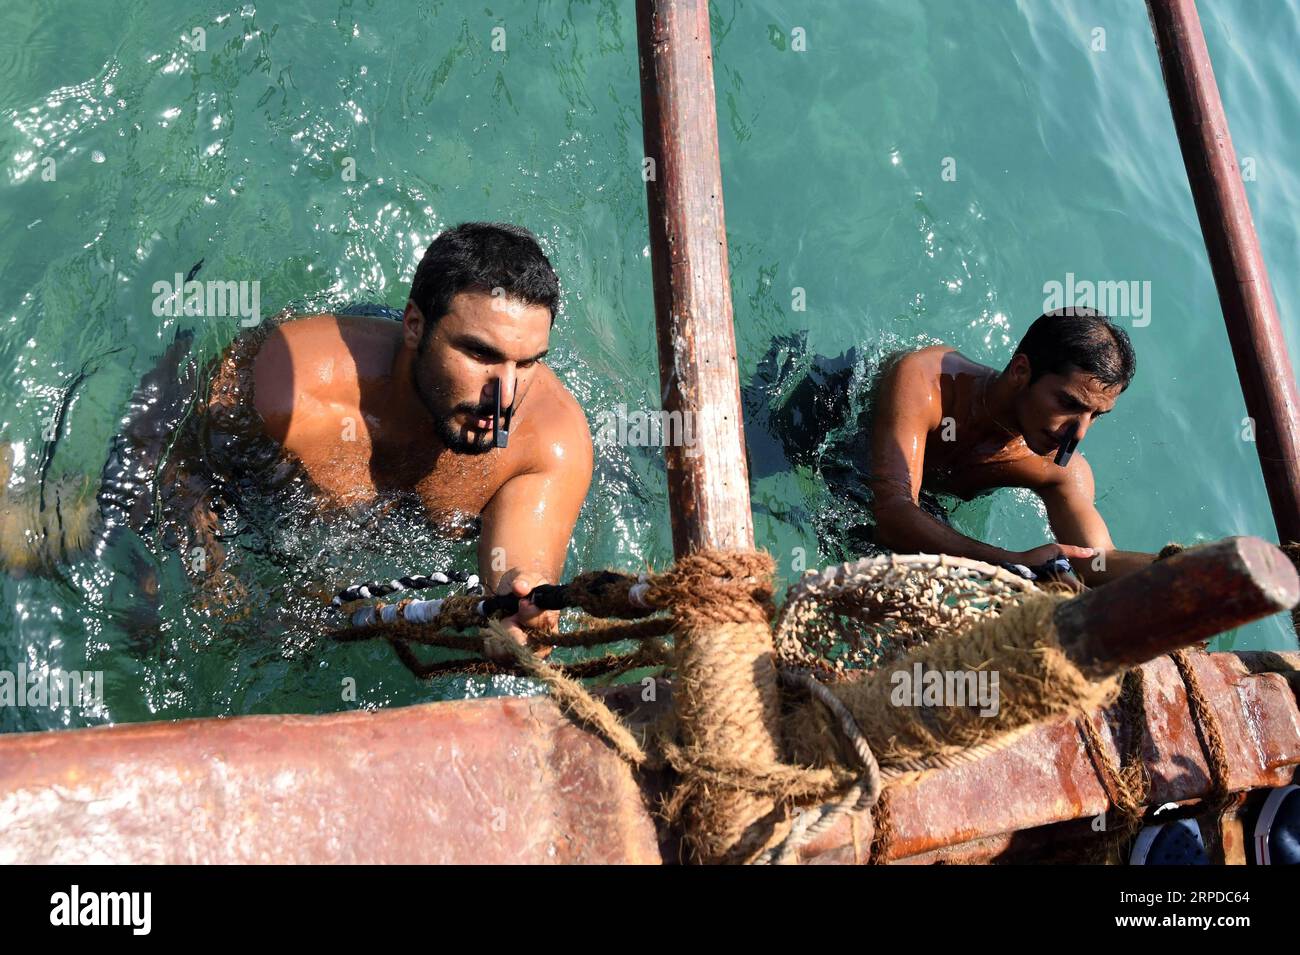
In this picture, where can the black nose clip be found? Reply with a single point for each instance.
(1066, 450)
(501, 421)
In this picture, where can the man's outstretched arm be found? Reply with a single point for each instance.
(902, 526)
(1073, 514)
(528, 523)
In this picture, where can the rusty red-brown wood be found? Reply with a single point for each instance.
(512, 780)
(1176, 602)
(708, 483)
(501, 780)
(1047, 777)
(1249, 310)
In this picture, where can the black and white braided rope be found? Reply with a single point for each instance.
(417, 611)
(414, 582)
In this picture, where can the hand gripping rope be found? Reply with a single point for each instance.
(543, 596)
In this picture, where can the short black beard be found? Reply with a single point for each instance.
(456, 441)
(452, 436)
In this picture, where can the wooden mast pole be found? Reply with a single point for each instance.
(708, 484)
(1249, 311)
(725, 697)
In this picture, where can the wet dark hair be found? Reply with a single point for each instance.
(482, 256)
(1081, 338)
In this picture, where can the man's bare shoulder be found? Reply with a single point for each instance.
(930, 355)
(1040, 473)
(933, 362)
(908, 370)
(911, 380)
(319, 359)
(559, 425)
(355, 344)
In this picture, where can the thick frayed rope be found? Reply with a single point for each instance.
(1127, 785)
(732, 800)
(571, 696)
(1208, 730)
(1035, 681)
(861, 796)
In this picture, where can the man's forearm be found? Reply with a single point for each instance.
(1109, 564)
(905, 528)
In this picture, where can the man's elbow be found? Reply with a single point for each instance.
(891, 523)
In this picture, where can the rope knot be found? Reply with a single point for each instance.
(711, 587)
(606, 593)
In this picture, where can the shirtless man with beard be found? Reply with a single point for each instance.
(366, 409)
(361, 409)
(422, 395)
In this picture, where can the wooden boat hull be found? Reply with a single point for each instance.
(512, 780)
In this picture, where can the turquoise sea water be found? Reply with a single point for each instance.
(838, 122)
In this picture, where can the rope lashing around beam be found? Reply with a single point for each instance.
(1127, 785)
(735, 793)
(758, 778)
(1038, 682)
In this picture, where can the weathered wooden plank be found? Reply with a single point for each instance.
(708, 483)
(1177, 601)
(477, 781)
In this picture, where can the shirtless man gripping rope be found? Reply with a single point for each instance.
(453, 405)
(424, 397)
(957, 427)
